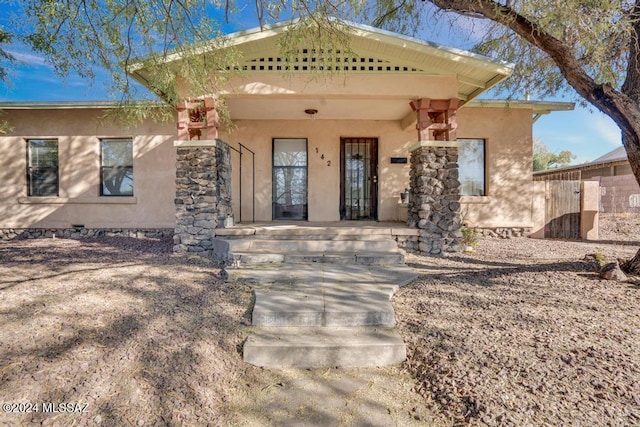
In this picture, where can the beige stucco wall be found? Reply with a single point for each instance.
(508, 164)
(79, 202)
(508, 157)
(323, 180)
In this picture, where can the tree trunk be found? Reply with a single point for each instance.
(623, 106)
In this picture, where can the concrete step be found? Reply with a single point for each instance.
(277, 236)
(305, 245)
(295, 275)
(367, 258)
(324, 347)
(325, 305)
(300, 230)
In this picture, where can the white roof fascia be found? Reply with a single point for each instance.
(538, 107)
(431, 48)
(44, 105)
(67, 105)
(588, 165)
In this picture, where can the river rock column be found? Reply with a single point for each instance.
(434, 200)
(203, 194)
(434, 196)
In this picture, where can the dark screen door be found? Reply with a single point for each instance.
(359, 178)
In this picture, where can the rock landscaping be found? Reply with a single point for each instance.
(518, 332)
(525, 332)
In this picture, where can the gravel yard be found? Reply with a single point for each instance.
(523, 332)
(143, 338)
(520, 332)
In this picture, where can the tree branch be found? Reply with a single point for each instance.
(602, 96)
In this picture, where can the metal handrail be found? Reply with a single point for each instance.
(253, 179)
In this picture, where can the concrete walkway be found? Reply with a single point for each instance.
(329, 314)
(324, 315)
(378, 397)
(313, 274)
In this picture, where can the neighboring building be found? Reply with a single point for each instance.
(317, 150)
(619, 188)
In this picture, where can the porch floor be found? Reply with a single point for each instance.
(319, 227)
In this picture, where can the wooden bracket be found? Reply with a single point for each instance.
(436, 118)
(196, 115)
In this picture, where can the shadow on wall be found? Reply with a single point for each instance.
(508, 187)
(566, 226)
(79, 200)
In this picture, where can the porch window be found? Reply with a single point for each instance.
(116, 167)
(42, 168)
(290, 178)
(471, 165)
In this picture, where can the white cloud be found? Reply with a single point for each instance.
(587, 134)
(608, 132)
(28, 58)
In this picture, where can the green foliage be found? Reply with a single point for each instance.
(176, 42)
(76, 36)
(600, 258)
(5, 57)
(543, 159)
(597, 32)
(324, 38)
(469, 237)
(5, 127)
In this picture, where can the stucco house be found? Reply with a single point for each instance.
(334, 149)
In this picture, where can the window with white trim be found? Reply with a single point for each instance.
(471, 167)
(42, 167)
(116, 167)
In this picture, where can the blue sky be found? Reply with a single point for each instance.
(586, 133)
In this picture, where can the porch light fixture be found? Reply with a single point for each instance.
(311, 112)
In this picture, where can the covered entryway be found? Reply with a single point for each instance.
(367, 97)
(359, 178)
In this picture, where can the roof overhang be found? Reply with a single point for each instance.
(67, 105)
(391, 52)
(73, 105)
(539, 108)
(582, 167)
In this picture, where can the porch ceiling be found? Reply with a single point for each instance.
(362, 108)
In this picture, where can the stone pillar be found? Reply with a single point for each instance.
(434, 200)
(434, 197)
(203, 194)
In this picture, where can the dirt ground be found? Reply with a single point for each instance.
(523, 332)
(520, 332)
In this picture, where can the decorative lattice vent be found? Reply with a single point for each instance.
(310, 60)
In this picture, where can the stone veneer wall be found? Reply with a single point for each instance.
(504, 233)
(203, 194)
(82, 233)
(434, 201)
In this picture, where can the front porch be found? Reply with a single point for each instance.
(332, 230)
(295, 242)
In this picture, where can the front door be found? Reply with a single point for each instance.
(359, 178)
(290, 178)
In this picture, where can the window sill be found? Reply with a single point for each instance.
(479, 200)
(78, 201)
